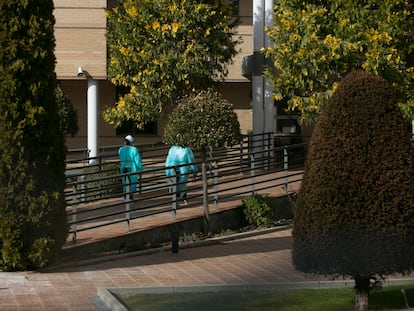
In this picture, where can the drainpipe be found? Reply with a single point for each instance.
(257, 77)
(93, 99)
(263, 104)
(269, 106)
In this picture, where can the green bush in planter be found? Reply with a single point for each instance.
(101, 182)
(258, 210)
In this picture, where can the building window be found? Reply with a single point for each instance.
(287, 122)
(129, 126)
(235, 6)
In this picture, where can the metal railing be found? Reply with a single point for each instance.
(94, 192)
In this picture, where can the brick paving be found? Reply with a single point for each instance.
(259, 259)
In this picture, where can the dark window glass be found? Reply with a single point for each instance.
(129, 127)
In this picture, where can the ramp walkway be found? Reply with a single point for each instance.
(149, 211)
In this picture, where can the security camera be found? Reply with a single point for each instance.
(80, 72)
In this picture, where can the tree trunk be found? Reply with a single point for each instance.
(362, 284)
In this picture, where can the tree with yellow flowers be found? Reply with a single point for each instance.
(314, 44)
(161, 50)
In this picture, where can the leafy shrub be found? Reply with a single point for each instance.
(68, 116)
(203, 120)
(258, 210)
(354, 213)
(33, 218)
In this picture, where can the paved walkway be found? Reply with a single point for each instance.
(264, 258)
(260, 259)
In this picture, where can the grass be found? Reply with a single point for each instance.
(386, 298)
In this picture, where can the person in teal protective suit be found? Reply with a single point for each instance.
(178, 155)
(130, 163)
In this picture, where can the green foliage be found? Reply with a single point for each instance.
(202, 120)
(354, 212)
(298, 299)
(164, 49)
(314, 44)
(101, 182)
(33, 224)
(67, 114)
(258, 210)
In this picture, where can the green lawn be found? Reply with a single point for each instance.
(387, 298)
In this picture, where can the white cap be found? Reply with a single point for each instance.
(129, 138)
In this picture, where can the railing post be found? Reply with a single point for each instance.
(270, 150)
(100, 175)
(127, 202)
(241, 156)
(215, 184)
(266, 144)
(172, 188)
(252, 179)
(286, 168)
(83, 189)
(205, 194)
(139, 182)
(74, 209)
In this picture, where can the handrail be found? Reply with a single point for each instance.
(93, 193)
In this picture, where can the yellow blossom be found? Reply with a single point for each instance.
(372, 34)
(123, 51)
(344, 22)
(277, 96)
(294, 37)
(121, 102)
(132, 11)
(156, 25)
(385, 36)
(173, 8)
(175, 27)
(297, 100)
(301, 52)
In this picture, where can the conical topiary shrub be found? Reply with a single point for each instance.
(354, 214)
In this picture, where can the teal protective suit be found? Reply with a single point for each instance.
(130, 163)
(178, 155)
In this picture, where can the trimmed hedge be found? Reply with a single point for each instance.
(202, 120)
(33, 224)
(354, 213)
